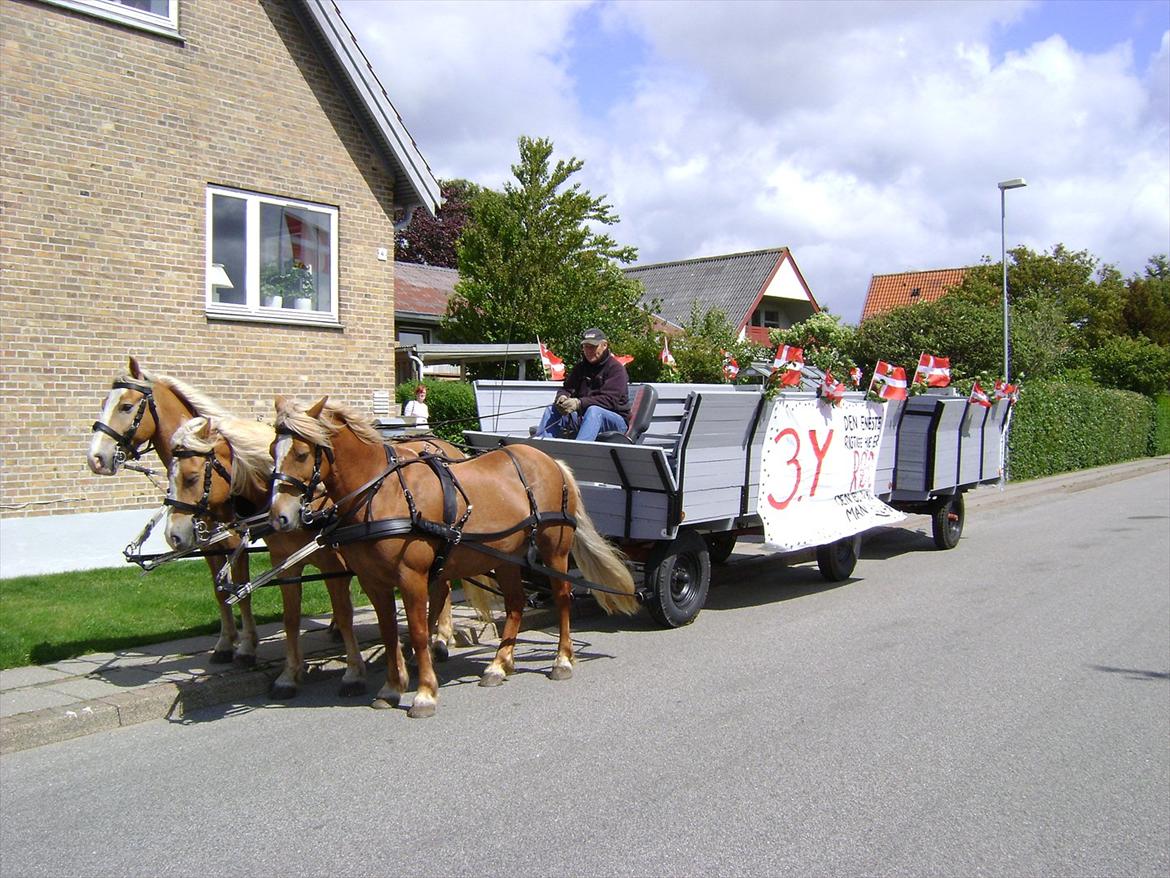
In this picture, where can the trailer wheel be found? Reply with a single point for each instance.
(947, 522)
(678, 573)
(837, 560)
(720, 545)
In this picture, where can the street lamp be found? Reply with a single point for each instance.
(1016, 183)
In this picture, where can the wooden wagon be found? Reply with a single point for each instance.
(692, 474)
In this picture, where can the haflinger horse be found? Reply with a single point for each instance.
(218, 462)
(142, 410)
(419, 520)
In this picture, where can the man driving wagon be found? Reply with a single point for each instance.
(594, 398)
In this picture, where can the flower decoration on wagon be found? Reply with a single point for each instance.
(730, 366)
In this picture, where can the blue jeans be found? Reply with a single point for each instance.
(595, 420)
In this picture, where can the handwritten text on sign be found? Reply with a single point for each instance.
(817, 473)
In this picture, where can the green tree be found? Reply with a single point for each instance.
(433, 240)
(1147, 302)
(699, 350)
(531, 263)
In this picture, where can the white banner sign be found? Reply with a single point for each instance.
(817, 473)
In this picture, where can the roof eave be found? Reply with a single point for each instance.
(413, 181)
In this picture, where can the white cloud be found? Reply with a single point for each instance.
(867, 137)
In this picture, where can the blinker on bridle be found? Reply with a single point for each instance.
(308, 489)
(126, 449)
(203, 507)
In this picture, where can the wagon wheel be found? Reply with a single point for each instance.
(947, 522)
(678, 573)
(720, 546)
(837, 560)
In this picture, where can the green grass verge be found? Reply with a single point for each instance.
(64, 615)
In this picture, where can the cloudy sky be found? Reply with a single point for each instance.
(866, 136)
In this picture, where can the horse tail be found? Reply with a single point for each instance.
(481, 600)
(598, 560)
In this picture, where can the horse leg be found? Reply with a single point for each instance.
(562, 668)
(504, 663)
(221, 653)
(382, 597)
(285, 686)
(413, 586)
(249, 637)
(439, 620)
(354, 680)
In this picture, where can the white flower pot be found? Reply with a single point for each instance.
(273, 302)
(303, 304)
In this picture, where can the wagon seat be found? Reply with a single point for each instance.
(641, 409)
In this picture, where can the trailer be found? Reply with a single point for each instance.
(704, 464)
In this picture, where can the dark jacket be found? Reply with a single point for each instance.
(605, 384)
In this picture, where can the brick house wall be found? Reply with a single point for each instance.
(109, 137)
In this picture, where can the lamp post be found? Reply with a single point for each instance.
(1015, 183)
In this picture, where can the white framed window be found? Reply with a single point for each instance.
(156, 16)
(271, 259)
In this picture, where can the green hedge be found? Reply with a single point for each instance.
(1160, 440)
(451, 404)
(1059, 427)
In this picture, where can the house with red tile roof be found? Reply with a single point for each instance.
(890, 291)
(420, 300)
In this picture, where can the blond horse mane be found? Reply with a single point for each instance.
(321, 430)
(198, 400)
(250, 443)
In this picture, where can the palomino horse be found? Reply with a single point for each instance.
(419, 521)
(144, 408)
(217, 461)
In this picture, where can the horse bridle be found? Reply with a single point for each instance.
(126, 450)
(308, 489)
(201, 509)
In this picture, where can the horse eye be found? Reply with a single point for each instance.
(189, 481)
(302, 456)
(125, 407)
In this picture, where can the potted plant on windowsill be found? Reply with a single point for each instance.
(291, 287)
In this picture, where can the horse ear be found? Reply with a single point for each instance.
(315, 410)
(135, 372)
(204, 431)
(281, 402)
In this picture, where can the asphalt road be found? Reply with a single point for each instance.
(999, 709)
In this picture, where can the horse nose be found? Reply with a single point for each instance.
(176, 541)
(281, 522)
(98, 463)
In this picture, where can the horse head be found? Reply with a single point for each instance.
(128, 420)
(302, 456)
(200, 482)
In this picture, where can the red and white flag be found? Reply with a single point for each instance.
(666, 356)
(889, 381)
(730, 366)
(855, 376)
(791, 361)
(1006, 391)
(832, 390)
(979, 396)
(553, 365)
(625, 360)
(933, 371)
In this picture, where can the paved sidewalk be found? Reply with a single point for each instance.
(49, 703)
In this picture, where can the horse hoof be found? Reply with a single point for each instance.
(222, 657)
(282, 691)
(421, 711)
(335, 634)
(560, 672)
(440, 651)
(244, 661)
(352, 688)
(384, 703)
(490, 679)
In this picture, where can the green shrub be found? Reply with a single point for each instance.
(1160, 438)
(1131, 364)
(1061, 427)
(451, 405)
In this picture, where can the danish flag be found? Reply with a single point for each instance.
(624, 360)
(1006, 391)
(855, 376)
(979, 396)
(935, 371)
(889, 381)
(666, 356)
(791, 360)
(832, 390)
(553, 365)
(730, 366)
